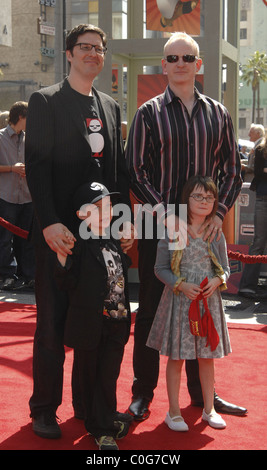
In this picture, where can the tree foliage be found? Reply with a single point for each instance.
(254, 71)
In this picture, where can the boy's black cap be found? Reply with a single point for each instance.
(89, 193)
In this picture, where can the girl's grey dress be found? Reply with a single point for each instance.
(170, 333)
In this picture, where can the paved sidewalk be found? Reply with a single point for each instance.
(237, 309)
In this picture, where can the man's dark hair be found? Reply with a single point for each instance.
(17, 110)
(73, 35)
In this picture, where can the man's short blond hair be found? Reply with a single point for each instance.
(181, 35)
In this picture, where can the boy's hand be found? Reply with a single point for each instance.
(63, 257)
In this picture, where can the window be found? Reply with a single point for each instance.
(243, 15)
(119, 19)
(242, 123)
(243, 33)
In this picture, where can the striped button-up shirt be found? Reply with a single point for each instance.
(166, 146)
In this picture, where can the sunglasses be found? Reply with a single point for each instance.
(186, 58)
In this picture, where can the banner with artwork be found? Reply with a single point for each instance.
(173, 15)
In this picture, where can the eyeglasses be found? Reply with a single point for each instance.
(186, 58)
(200, 198)
(84, 46)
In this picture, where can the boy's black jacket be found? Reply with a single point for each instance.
(85, 278)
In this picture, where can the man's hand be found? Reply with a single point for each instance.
(214, 227)
(58, 237)
(19, 168)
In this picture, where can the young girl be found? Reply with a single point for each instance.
(176, 328)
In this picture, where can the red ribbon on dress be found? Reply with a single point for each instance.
(203, 326)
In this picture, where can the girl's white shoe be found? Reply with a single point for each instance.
(214, 419)
(179, 425)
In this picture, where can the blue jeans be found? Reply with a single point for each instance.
(16, 253)
(251, 272)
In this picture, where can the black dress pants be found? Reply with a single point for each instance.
(145, 359)
(48, 349)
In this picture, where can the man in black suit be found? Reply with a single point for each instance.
(73, 134)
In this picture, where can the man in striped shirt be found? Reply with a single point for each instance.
(173, 136)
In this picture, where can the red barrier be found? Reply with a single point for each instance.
(249, 259)
(12, 228)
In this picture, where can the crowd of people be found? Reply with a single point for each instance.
(70, 167)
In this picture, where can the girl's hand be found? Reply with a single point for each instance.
(211, 286)
(190, 290)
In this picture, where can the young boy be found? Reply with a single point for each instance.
(98, 318)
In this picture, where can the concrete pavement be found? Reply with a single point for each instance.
(237, 309)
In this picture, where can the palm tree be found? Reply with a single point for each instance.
(253, 72)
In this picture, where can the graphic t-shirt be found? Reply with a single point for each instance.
(94, 124)
(114, 304)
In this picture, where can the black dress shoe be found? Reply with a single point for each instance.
(222, 406)
(46, 426)
(139, 408)
(256, 297)
(247, 295)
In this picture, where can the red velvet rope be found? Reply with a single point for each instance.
(249, 259)
(12, 228)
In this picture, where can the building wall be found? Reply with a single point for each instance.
(27, 68)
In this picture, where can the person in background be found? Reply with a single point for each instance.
(173, 136)
(248, 286)
(256, 133)
(17, 265)
(4, 115)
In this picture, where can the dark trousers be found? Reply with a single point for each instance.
(145, 359)
(251, 272)
(98, 373)
(48, 349)
(16, 253)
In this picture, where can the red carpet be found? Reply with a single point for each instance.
(240, 378)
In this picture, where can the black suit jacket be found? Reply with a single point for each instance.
(58, 154)
(84, 277)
